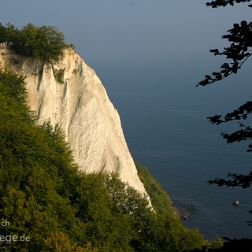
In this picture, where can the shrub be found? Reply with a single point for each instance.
(59, 75)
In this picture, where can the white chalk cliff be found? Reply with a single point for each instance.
(81, 106)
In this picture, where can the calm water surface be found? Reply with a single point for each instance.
(164, 120)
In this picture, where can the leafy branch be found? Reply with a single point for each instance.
(223, 3)
(240, 37)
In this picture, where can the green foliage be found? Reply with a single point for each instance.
(159, 198)
(45, 42)
(59, 75)
(167, 229)
(43, 196)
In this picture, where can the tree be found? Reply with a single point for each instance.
(43, 42)
(237, 53)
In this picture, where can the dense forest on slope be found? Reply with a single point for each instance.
(46, 204)
(45, 198)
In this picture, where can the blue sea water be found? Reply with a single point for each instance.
(164, 120)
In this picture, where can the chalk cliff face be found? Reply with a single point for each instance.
(79, 103)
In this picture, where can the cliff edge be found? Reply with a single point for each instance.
(70, 93)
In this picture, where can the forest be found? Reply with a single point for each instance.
(43, 196)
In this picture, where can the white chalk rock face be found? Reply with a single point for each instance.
(79, 103)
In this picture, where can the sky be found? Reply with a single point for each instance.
(129, 30)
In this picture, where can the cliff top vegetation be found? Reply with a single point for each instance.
(41, 42)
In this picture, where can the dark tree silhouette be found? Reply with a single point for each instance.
(220, 3)
(242, 245)
(237, 53)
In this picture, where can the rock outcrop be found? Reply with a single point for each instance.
(70, 94)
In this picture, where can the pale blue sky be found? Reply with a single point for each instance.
(129, 30)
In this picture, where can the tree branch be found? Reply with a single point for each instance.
(223, 3)
(240, 38)
(243, 181)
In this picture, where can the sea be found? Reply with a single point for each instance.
(164, 118)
